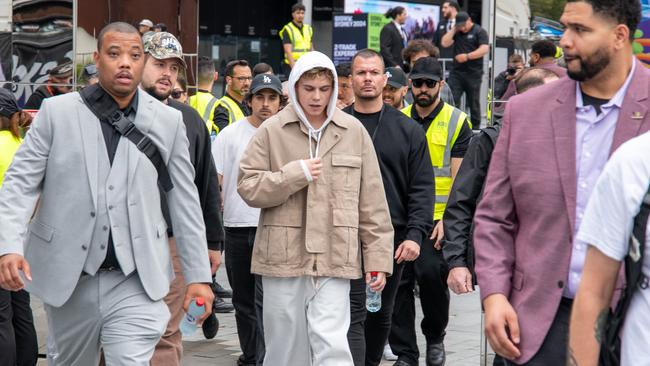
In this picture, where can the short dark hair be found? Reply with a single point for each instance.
(417, 46)
(515, 57)
(262, 68)
(206, 70)
(367, 53)
(544, 48)
(296, 7)
(182, 80)
(531, 78)
(453, 4)
(119, 27)
(626, 12)
(161, 26)
(344, 69)
(230, 67)
(394, 12)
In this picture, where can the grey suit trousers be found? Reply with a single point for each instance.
(109, 312)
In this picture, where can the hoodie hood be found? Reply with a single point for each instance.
(305, 63)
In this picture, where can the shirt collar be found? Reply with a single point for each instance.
(416, 116)
(617, 99)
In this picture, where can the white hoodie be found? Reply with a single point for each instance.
(305, 63)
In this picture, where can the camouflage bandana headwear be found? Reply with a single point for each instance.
(163, 46)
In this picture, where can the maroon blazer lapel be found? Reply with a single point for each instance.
(563, 121)
(633, 111)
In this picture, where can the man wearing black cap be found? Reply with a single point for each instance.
(61, 74)
(448, 134)
(408, 182)
(470, 43)
(240, 220)
(395, 89)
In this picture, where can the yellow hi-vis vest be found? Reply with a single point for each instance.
(440, 143)
(300, 41)
(234, 112)
(205, 104)
(8, 146)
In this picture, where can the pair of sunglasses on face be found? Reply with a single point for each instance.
(177, 93)
(417, 83)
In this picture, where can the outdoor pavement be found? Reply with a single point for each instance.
(463, 340)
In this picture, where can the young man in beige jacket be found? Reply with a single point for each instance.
(313, 170)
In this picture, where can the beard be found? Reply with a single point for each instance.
(590, 66)
(157, 94)
(425, 102)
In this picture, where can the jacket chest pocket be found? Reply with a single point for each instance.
(346, 172)
(345, 237)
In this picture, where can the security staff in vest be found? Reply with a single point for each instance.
(296, 38)
(231, 106)
(204, 101)
(96, 249)
(448, 134)
(470, 43)
(405, 166)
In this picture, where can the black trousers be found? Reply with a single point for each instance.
(247, 294)
(18, 344)
(369, 331)
(470, 84)
(553, 349)
(430, 271)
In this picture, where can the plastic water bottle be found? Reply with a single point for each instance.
(373, 298)
(196, 309)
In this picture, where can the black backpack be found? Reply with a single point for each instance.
(610, 346)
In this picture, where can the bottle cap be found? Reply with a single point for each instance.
(374, 274)
(199, 301)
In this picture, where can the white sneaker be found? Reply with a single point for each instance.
(388, 353)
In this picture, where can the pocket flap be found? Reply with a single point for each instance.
(342, 217)
(41, 230)
(352, 161)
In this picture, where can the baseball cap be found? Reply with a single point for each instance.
(266, 81)
(146, 22)
(461, 18)
(8, 105)
(426, 68)
(163, 46)
(63, 69)
(396, 77)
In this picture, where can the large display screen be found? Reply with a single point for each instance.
(421, 21)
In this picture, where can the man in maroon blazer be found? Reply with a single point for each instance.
(553, 145)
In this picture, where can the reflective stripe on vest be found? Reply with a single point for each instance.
(234, 111)
(441, 136)
(300, 41)
(203, 103)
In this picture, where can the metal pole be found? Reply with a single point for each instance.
(75, 13)
(493, 42)
(308, 11)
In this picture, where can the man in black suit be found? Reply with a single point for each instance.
(393, 38)
(449, 10)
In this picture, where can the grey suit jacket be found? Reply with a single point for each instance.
(58, 163)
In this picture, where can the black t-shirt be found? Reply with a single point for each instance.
(595, 102)
(464, 136)
(469, 42)
(369, 120)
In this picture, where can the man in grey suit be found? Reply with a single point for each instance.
(96, 250)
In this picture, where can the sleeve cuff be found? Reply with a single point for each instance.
(305, 170)
(415, 235)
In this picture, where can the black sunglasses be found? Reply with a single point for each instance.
(177, 93)
(419, 82)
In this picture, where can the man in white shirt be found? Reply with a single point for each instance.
(240, 220)
(607, 226)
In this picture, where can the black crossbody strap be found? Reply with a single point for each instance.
(127, 129)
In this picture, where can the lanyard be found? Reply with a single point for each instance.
(381, 114)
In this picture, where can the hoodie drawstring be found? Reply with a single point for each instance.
(317, 135)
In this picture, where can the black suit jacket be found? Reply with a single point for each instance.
(391, 44)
